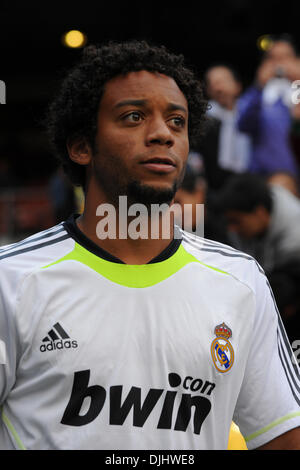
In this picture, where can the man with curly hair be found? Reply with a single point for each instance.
(136, 342)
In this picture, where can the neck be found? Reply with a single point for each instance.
(134, 239)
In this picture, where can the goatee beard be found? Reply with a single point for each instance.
(147, 195)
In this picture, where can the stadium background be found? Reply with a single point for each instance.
(33, 60)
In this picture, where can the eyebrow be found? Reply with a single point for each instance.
(132, 102)
(175, 107)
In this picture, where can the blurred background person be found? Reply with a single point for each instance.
(193, 191)
(224, 149)
(265, 218)
(286, 180)
(265, 112)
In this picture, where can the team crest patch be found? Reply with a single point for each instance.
(222, 352)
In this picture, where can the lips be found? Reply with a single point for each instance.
(160, 160)
(159, 165)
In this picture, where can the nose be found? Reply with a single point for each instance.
(158, 132)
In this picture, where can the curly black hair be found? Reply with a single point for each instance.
(73, 113)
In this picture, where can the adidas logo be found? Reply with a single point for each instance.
(57, 338)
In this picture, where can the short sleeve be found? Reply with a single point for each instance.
(269, 400)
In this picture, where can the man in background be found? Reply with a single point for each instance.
(265, 217)
(265, 112)
(266, 221)
(225, 150)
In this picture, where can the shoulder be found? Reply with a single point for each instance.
(284, 198)
(20, 258)
(239, 265)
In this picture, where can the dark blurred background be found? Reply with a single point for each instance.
(33, 60)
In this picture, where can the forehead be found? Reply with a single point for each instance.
(282, 48)
(150, 86)
(219, 73)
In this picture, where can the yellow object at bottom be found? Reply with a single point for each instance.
(236, 440)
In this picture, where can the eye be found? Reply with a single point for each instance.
(178, 121)
(134, 116)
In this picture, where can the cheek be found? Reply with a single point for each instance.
(250, 227)
(113, 144)
(183, 148)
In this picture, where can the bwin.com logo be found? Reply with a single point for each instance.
(2, 92)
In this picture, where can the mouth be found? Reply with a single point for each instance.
(160, 164)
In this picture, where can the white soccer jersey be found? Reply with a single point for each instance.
(97, 354)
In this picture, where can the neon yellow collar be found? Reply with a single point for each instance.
(137, 276)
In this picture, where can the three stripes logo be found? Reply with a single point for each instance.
(57, 338)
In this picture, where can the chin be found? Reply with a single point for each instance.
(147, 193)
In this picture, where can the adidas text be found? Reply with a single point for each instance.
(67, 344)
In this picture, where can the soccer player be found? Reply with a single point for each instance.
(137, 343)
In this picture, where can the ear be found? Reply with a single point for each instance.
(79, 150)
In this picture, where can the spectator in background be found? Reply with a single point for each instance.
(265, 112)
(192, 192)
(224, 149)
(286, 180)
(266, 219)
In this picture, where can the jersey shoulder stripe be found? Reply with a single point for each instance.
(34, 247)
(237, 267)
(207, 241)
(26, 257)
(32, 239)
(208, 246)
(205, 244)
(44, 247)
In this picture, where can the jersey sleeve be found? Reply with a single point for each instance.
(8, 341)
(268, 404)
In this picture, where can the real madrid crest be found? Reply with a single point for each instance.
(222, 352)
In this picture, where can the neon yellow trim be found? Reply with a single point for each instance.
(13, 431)
(130, 275)
(272, 425)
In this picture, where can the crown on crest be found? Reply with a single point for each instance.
(223, 331)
